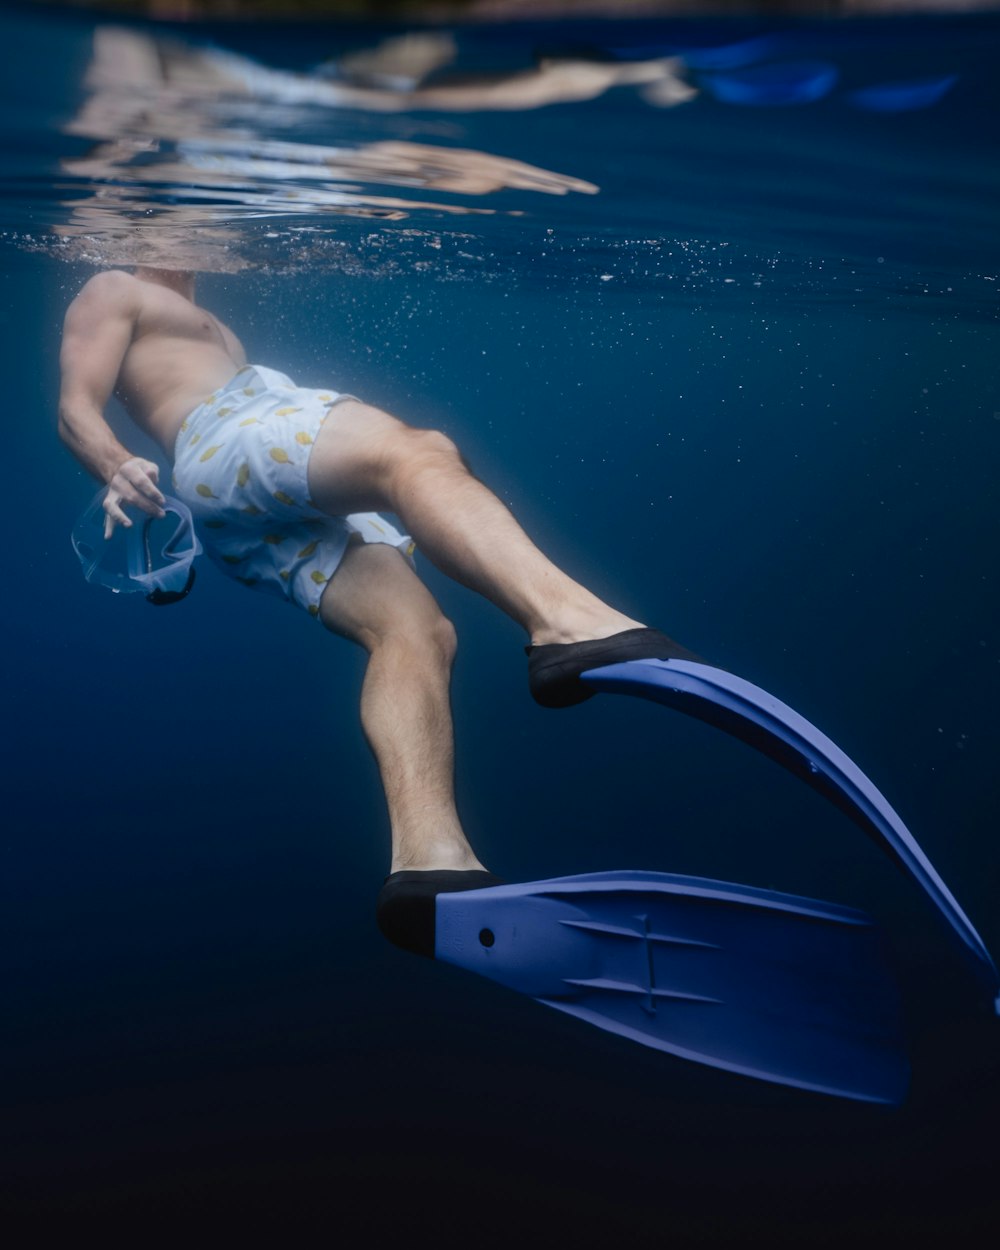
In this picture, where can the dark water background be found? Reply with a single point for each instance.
(798, 479)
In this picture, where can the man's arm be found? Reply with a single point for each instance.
(96, 335)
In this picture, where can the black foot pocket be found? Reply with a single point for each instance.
(405, 908)
(554, 668)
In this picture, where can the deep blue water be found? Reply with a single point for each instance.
(748, 391)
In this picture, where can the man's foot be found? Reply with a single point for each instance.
(405, 908)
(554, 668)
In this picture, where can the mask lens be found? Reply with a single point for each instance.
(155, 556)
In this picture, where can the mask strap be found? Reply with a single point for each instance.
(160, 598)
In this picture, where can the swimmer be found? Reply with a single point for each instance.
(287, 485)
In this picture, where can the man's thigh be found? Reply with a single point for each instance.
(347, 465)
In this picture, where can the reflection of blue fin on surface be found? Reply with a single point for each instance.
(767, 985)
(783, 83)
(759, 719)
(902, 97)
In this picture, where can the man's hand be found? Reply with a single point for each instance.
(134, 482)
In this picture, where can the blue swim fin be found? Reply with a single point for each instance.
(768, 985)
(759, 719)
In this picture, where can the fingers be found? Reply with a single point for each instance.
(135, 483)
(113, 513)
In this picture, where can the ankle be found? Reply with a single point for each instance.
(429, 857)
(583, 627)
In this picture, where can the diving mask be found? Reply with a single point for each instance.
(154, 556)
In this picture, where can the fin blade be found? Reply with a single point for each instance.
(875, 1074)
(759, 984)
(756, 717)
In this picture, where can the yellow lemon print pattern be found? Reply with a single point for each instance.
(247, 469)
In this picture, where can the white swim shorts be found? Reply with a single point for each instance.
(240, 464)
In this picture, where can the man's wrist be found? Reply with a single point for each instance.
(114, 462)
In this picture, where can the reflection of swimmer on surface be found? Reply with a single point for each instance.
(397, 77)
(169, 120)
(288, 484)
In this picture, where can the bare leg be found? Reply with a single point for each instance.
(377, 600)
(364, 459)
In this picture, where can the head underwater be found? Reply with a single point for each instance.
(154, 556)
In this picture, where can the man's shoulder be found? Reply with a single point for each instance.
(111, 280)
(111, 286)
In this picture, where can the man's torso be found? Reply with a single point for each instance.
(179, 355)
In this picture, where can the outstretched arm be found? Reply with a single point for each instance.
(96, 335)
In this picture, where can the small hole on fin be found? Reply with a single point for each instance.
(486, 937)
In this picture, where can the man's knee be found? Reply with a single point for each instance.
(443, 637)
(428, 639)
(413, 452)
(436, 636)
